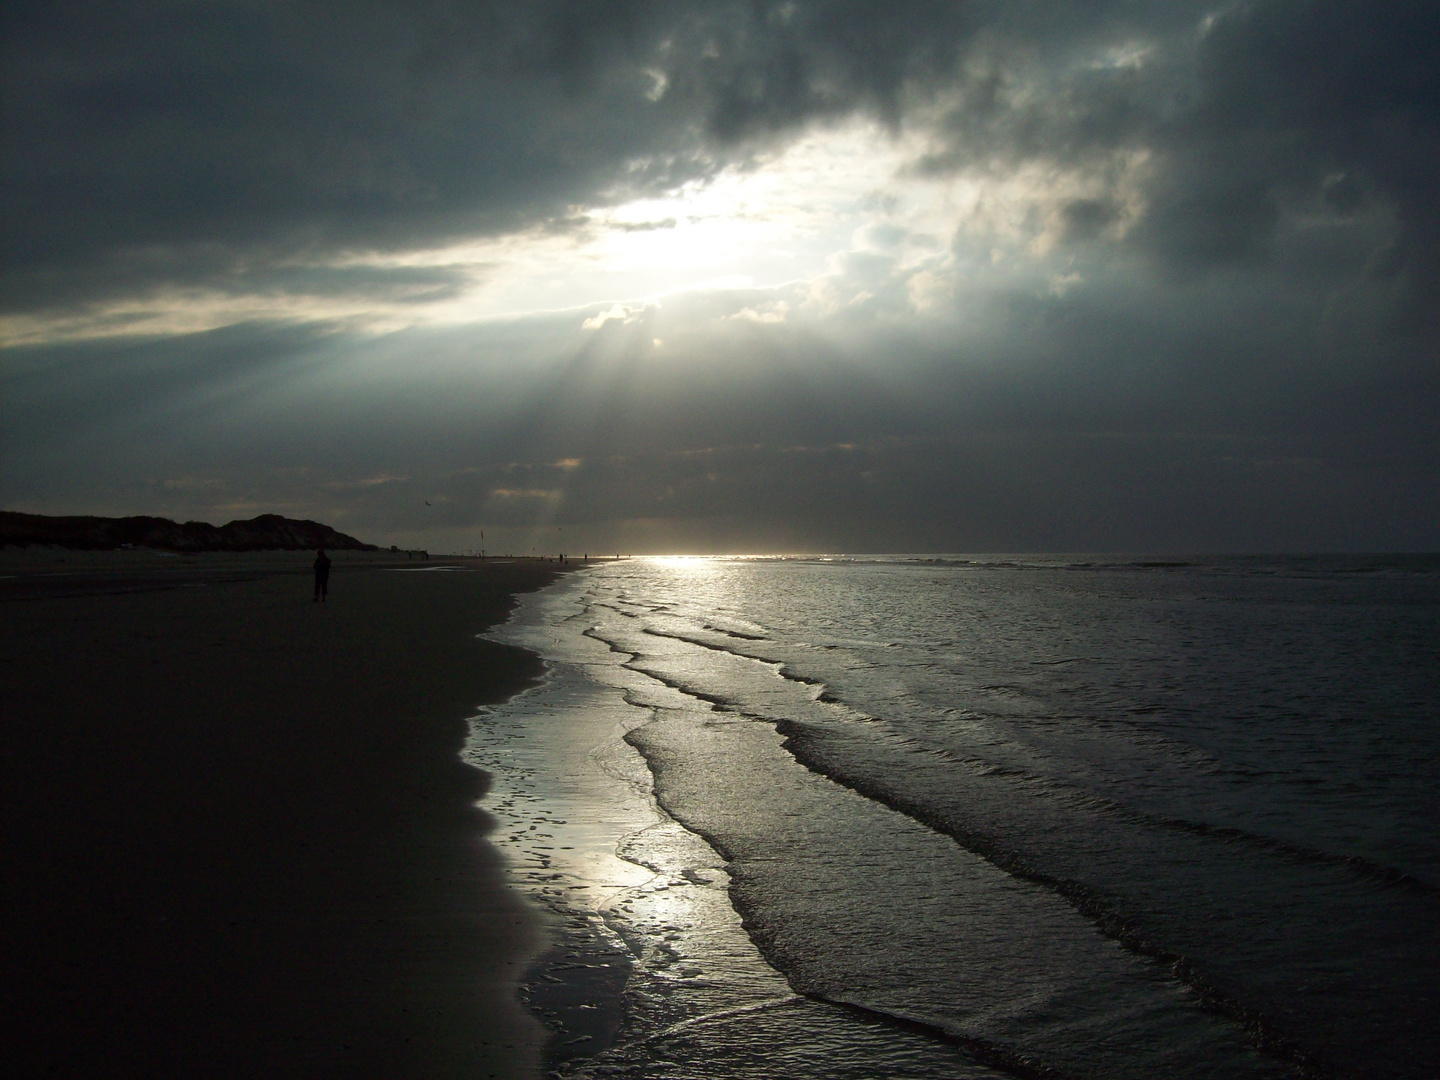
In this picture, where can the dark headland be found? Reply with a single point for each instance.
(238, 839)
(268, 532)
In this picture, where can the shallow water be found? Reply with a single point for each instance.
(953, 817)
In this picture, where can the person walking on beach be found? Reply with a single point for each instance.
(322, 575)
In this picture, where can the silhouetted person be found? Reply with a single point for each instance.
(322, 575)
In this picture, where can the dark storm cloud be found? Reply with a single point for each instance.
(174, 142)
(1248, 113)
(1305, 109)
(164, 142)
(124, 273)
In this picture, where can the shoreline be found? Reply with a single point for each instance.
(240, 836)
(651, 958)
(648, 954)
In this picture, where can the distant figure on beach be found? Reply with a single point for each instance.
(322, 575)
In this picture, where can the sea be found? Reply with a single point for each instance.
(979, 816)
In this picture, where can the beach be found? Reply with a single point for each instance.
(239, 839)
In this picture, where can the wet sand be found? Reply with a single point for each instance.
(238, 838)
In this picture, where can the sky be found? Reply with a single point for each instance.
(729, 277)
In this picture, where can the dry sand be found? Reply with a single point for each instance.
(238, 838)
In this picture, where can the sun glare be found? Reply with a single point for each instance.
(779, 220)
(692, 563)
